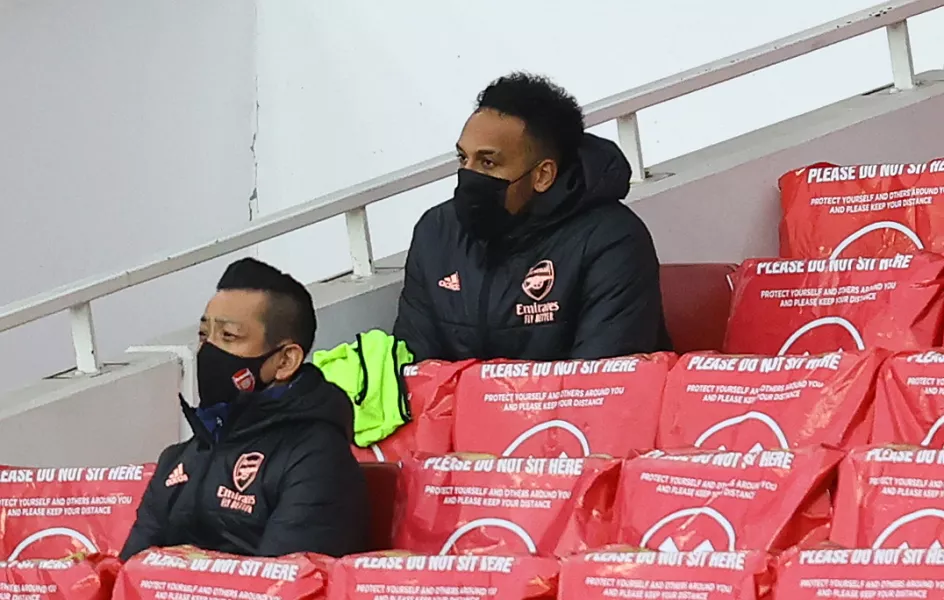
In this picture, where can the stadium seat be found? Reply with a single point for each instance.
(697, 298)
(382, 480)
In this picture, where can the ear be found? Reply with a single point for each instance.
(545, 173)
(288, 362)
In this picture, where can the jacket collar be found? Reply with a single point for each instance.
(307, 398)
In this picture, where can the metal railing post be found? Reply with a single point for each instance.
(899, 47)
(627, 127)
(83, 338)
(358, 238)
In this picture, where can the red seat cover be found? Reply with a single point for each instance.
(696, 299)
(382, 480)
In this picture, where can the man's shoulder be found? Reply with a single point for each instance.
(313, 439)
(616, 216)
(317, 450)
(439, 219)
(172, 453)
(612, 223)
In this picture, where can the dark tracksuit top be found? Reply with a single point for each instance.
(280, 479)
(578, 277)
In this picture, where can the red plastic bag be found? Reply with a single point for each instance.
(187, 572)
(398, 575)
(829, 572)
(622, 572)
(57, 513)
(890, 497)
(746, 403)
(696, 501)
(431, 393)
(462, 504)
(798, 306)
(91, 579)
(863, 210)
(572, 408)
(909, 400)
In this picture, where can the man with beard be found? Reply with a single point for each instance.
(535, 257)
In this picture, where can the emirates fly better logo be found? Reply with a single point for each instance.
(537, 285)
(244, 473)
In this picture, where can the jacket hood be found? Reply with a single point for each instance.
(309, 398)
(600, 175)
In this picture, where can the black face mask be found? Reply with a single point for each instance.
(480, 204)
(222, 376)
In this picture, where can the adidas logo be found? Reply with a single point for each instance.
(177, 476)
(451, 282)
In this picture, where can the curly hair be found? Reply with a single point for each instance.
(552, 116)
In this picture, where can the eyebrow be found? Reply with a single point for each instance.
(219, 321)
(481, 151)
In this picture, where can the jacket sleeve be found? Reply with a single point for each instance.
(322, 502)
(621, 300)
(149, 528)
(415, 322)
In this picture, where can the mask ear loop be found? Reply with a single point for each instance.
(526, 173)
(263, 358)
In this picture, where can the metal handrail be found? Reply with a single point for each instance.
(353, 201)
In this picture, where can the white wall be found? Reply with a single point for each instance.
(351, 90)
(125, 131)
(126, 126)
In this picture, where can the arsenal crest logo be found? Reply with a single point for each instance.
(539, 281)
(244, 380)
(246, 469)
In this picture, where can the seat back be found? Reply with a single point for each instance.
(696, 299)
(382, 481)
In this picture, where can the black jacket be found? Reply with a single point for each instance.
(577, 278)
(281, 479)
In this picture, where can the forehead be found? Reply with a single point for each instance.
(492, 130)
(239, 306)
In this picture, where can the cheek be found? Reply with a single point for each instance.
(270, 369)
(518, 195)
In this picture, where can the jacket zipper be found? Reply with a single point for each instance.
(484, 295)
(198, 508)
(200, 431)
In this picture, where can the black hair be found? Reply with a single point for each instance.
(290, 311)
(552, 117)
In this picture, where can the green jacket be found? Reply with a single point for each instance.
(370, 371)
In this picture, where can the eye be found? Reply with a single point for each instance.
(228, 336)
(461, 159)
(487, 163)
(202, 335)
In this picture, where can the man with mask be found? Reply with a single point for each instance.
(535, 257)
(269, 469)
